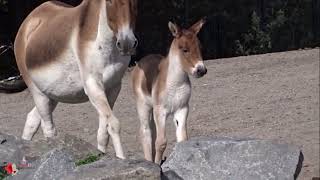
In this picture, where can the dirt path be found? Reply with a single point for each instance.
(272, 96)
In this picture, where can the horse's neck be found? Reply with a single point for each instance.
(103, 27)
(94, 21)
(176, 75)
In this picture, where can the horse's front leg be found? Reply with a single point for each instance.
(108, 123)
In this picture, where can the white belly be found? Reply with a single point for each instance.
(61, 80)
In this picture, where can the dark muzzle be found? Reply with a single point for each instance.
(127, 46)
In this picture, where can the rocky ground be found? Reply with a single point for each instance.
(70, 158)
(272, 96)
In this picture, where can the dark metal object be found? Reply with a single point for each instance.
(12, 85)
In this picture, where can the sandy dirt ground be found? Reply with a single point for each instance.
(272, 96)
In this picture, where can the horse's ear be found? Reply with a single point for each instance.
(109, 2)
(134, 6)
(175, 30)
(198, 25)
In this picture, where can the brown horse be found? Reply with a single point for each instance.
(162, 87)
(75, 54)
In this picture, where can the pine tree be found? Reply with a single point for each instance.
(255, 41)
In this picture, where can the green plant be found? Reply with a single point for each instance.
(3, 174)
(89, 159)
(255, 41)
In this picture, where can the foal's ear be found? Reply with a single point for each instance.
(198, 25)
(175, 30)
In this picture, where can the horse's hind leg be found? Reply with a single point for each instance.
(42, 112)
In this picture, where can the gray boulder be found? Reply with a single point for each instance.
(117, 169)
(13, 149)
(58, 164)
(53, 165)
(77, 147)
(232, 159)
(10, 149)
(55, 159)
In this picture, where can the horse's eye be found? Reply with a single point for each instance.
(185, 50)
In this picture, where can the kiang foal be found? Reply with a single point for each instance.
(162, 87)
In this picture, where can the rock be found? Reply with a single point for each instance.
(78, 148)
(13, 149)
(53, 159)
(10, 149)
(117, 169)
(53, 165)
(226, 158)
(59, 164)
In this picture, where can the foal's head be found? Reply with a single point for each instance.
(121, 19)
(187, 46)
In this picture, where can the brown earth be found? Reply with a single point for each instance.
(272, 96)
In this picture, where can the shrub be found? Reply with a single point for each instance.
(4, 5)
(255, 41)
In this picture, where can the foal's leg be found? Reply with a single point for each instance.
(160, 116)
(42, 112)
(145, 112)
(180, 120)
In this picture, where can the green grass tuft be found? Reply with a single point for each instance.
(3, 175)
(89, 159)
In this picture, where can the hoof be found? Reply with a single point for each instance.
(121, 157)
(27, 138)
(50, 134)
(102, 148)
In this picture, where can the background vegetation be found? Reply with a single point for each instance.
(233, 28)
(241, 27)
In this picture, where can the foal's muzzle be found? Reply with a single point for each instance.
(199, 71)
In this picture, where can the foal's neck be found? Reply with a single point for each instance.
(176, 74)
